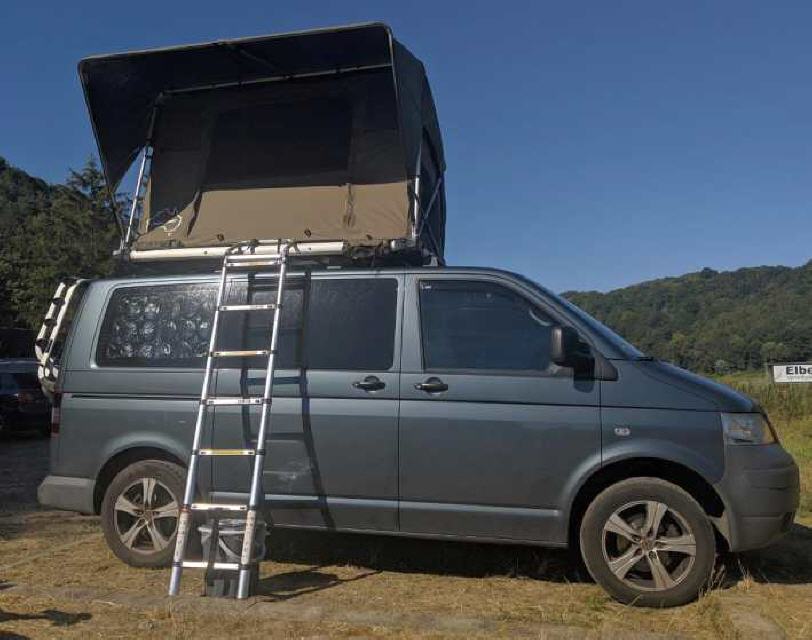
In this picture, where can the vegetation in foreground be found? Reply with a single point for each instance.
(790, 409)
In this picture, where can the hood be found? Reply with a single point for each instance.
(723, 397)
(660, 385)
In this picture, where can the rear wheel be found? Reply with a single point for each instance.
(140, 511)
(648, 542)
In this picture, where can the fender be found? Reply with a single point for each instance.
(139, 439)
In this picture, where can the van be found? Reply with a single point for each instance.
(436, 402)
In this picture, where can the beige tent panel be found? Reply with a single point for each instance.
(357, 213)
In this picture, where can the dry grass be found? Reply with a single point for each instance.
(338, 573)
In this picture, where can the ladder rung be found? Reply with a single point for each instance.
(237, 258)
(246, 307)
(240, 354)
(213, 506)
(219, 566)
(254, 263)
(226, 452)
(232, 402)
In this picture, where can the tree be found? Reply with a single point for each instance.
(57, 232)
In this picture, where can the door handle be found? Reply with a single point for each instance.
(432, 385)
(370, 383)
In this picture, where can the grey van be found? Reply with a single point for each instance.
(453, 403)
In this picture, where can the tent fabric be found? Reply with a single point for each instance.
(318, 159)
(241, 148)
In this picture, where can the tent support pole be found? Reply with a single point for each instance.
(143, 174)
(417, 209)
(285, 78)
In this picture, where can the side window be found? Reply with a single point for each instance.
(329, 324)
(157, 326)
(7, 383)
(468, 325)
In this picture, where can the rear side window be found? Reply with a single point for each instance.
(158, 326)
(326, 324)
(469, 325)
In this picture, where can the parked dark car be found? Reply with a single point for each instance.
(23, 406)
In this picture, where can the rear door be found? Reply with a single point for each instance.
(332, 450)
(491, 431)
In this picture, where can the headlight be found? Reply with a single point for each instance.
(746, 428)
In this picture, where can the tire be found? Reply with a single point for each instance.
(635, 568)
(143, 537)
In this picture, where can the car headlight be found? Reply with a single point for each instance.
(747, 428)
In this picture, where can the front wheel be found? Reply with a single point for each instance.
(647, 542)
(140, 510)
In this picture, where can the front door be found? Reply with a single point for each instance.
(332, 451)
(491, 430)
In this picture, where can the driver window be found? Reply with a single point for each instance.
(470, 325)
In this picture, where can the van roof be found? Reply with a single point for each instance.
(349, 271)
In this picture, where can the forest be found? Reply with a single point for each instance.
(713, 322)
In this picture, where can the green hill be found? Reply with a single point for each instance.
(714, 321)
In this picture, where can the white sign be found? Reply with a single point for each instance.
(792, 372)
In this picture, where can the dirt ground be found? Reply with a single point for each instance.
(57, 579)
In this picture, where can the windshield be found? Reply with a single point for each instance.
(626, 348)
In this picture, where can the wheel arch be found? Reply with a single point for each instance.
(123, 459)
(677, 473)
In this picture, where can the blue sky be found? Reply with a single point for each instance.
(590, 145)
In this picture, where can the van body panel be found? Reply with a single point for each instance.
(653, 384)
(340, 448)
(690, 438)
(116, 423)
(491, 455)
(332, 448)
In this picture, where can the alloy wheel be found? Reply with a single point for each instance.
(146, 515)
(648, 545)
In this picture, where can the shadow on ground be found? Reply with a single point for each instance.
(388, 553)
(788, 561)
(56, 617)
(292, 584)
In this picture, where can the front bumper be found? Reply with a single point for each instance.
(71, 494)
(761, 492)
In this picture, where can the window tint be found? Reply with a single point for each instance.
(326, 324)
(159, 326)
(25, 380)
(481, 326)
(7, 383)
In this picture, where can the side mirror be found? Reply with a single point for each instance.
(566, 347)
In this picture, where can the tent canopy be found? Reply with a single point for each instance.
(329, 134)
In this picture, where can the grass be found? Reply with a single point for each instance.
(790, 409)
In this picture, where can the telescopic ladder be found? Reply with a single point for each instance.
(243, 255)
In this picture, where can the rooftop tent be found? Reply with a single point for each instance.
(318, 135)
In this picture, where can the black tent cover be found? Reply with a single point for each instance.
(122, 90)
